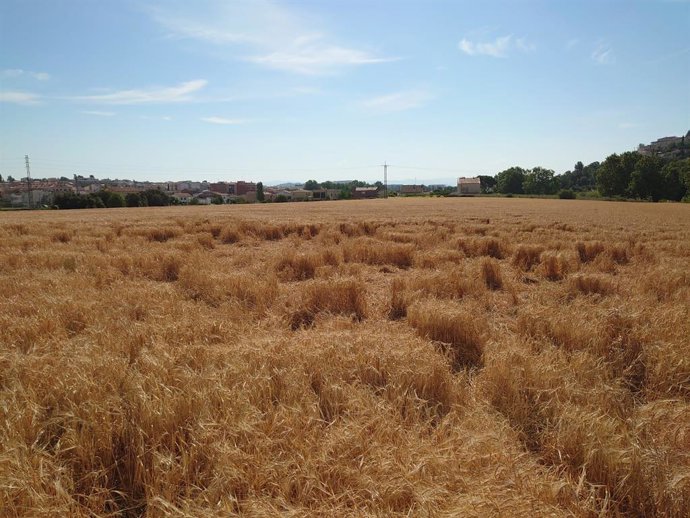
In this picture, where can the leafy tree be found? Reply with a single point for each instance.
(581, 178)
(510, 180)
(676, 179)
(613, 177)
(311, 185)
(487, 183)
(217, 200)
(134, 199)
(155, 198)
(588, 180)
(260, 192)
(646, 180)
(540, 181)
(71, 200)
(111, 199)
(94, 202)
(1, 178)
(281, 198)
(10, 178)
(579, 168)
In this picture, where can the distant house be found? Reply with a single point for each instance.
(301, 194)
(249, 196)
(319, 194)
(220, 187)
(283, 193)
(206, 197)
(411, 189)
(362, 193)
(241, 188)
(469, 186)
(182, 197)
(333, 194)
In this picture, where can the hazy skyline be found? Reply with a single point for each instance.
(276, 91)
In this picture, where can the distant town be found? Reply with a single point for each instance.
(63, 192)
(656, 171)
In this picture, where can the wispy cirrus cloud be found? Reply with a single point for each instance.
(315, 57)
(603, 54)
(97, 113)
(19, 72)
(16, 97)
(264, 33)
(224, 121)
(501, 47)
(397, 101)
(171, 94)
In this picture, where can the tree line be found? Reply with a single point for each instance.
(628, 175)
(109, 199)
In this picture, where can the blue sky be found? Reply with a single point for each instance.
(330, 89)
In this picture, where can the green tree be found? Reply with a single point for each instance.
(510, 181)
(217, 200)
(676, 179)
(613, 177)
(134, 199)
(10, 178)
(155, 198)
(645, 180)
(581, 178)
(1, 180)
(260, 192)
(111, 199)
(311, 185)
(540, 181)
(487, 183)
(71, 200)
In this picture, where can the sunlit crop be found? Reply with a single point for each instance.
(402, 357)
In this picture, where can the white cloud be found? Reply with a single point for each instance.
(170, 94)
(314, 57)
(18, 72)
(156, 118)
(524, 46)
(98, 113)
(397, 101)
(12, 72)
(603, 54)
(223, 120)
(25, 98)
(264, 33)
(499, 48)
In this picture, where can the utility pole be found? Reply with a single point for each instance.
(28, 182)
(385, 180)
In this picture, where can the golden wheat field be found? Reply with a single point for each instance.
(401, 357)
